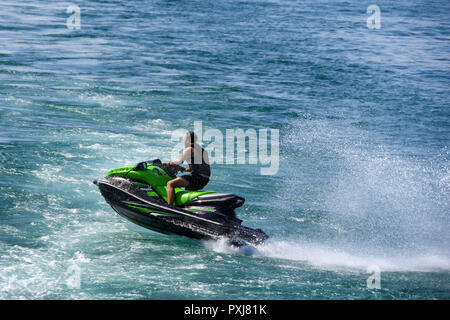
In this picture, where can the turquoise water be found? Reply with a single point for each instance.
(363, 116)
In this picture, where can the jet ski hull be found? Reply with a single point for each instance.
(154, 214)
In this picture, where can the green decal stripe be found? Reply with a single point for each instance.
(153, 211)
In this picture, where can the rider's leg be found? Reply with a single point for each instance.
(177, 182)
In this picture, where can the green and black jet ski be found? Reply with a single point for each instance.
(138, 193)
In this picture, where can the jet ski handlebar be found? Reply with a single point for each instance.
(170, 169)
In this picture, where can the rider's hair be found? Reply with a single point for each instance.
(192, 137)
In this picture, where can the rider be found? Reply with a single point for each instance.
(198, 161)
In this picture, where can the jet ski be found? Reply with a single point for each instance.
(138, 193)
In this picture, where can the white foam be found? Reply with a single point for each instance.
(329, 258)
(325, 257)
(376, 205)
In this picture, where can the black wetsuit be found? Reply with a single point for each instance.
(199, 174)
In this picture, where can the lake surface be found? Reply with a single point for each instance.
(363, 185)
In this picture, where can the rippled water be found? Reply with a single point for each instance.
(364, 134)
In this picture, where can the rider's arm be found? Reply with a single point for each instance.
(184, 156)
